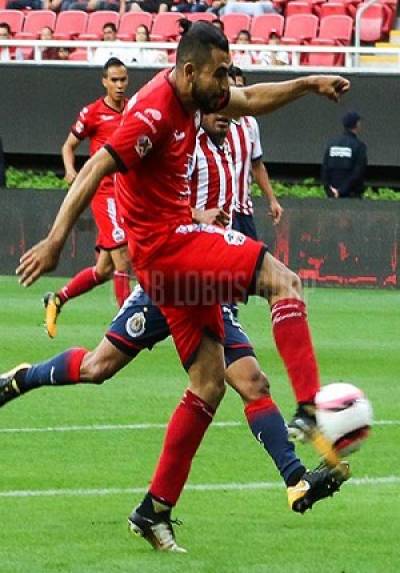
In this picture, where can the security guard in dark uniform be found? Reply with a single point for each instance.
(345, 161)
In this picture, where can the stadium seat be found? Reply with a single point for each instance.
(130, 22)
(262, 26)
(14, 18)
(322, 58)
(35, 21)
(78, 55)
(372, 20)
(234, 23)
(332, 9)
(301, 27)
(96, 21)
(165, 26)
(3, 4)
(337, 28)
(70, 24)
(295, 7)
(196, 16)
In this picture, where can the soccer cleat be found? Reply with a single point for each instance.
(158, 532)
(52, 304)
(303, 427)
(9, 386)
(317, 484)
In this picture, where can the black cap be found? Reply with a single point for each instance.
(350, 119)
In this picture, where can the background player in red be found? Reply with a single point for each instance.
(189, 269)
(98, 121)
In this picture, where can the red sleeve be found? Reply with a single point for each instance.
(83, 126)
(142, 129)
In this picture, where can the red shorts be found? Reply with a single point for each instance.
(200, 267)
(111, 234)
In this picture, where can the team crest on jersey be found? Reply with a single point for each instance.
(154, 113)
(234, 238)
(143, 145)
(118, 235)
(136, 325)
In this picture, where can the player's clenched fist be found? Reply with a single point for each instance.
(41, 258)
(331, 87)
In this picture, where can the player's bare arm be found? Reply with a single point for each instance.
(68, 156)
(43, 256)
(266, 97)
(216, 216)
(261, 177)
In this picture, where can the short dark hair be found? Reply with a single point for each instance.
(197, 41)
(218, 23)
(6, 25)
(110, 25)
(112, 63)
(246, 32)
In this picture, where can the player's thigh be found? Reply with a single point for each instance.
(104, 264)
(120, 259)
(207, 371)
(275, 281)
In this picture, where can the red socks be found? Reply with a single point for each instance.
(293, 340)
(185, 431)
(122, 287)
(82, 282)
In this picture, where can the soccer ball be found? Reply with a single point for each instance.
(344, 415)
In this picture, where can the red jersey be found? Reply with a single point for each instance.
(244, 139)
(213, 179)
(98, 121)
(154, 149)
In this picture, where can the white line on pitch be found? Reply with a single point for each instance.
(112, 427)
(364, 481)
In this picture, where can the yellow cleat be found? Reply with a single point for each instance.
(52, 305)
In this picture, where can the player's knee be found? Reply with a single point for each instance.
(256, 386)
(95, 371)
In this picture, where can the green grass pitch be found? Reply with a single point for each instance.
(65, 494)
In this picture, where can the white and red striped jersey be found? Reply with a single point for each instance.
(244, 141)
(212, 180)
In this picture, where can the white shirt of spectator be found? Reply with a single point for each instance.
(269, 58)
(244, 139)
(102, 55)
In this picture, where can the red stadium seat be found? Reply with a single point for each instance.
(35, 21)
(96, 21)
(78, 55)
(70, 24)
(295, 7)
(262, 26)
(301, 27)
(3, 4)
(337, 28)
(234, 23)
(372, 20)
(196, 16)
(332, 9)
(14, 18)
(321, 58)
(165, 26)
(130, 21)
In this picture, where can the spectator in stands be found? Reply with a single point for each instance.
(243, 58)
(26, 4)
(219, 24)
(345, 161)
(146, 55)
(250, 8)
(102, 55)
(63, 53)
(217, 7)
(5, 34)
(85, 5)
(48, 53)
(189, 6)
(272, 58)
(153, 6)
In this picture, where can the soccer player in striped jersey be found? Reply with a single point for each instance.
(140, 325)
(97, 121)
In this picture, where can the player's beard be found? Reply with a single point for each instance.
(203, 101)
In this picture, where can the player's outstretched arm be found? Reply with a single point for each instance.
(266, 97)
(43, 256)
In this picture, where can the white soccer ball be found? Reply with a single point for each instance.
(344, 415)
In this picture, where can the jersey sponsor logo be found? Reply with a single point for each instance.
(136, 325)
(154, 113)
(179, 135)
(143, 145)
(234, 238)
(105, 117)
(337, 151)
(146, 120)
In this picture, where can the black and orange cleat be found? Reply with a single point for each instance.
(52, 304)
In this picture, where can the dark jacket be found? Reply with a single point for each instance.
(344, 165)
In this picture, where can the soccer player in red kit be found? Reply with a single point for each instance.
(98, 121)
(187, 268)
